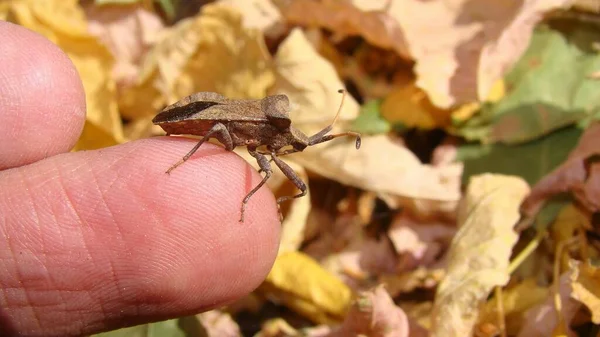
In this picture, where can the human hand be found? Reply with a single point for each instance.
(96, 240)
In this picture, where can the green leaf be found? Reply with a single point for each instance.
(370, 120)
(549, 89)
(169, 328)
(531, 161)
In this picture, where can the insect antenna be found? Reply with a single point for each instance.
(322, 136)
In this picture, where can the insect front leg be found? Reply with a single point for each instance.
(264, 165)
(293, 177)
(218, 131)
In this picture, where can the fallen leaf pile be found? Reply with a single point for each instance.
(472, 207)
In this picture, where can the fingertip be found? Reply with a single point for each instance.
(42, 100)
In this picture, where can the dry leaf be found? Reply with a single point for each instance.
(312, 85)
(219, 324)
(258, 14)
(479, 256)
(304, 286)
(585, 284)
(579, 174)
(361, 260)
(359, 17)
(128, 31)
(399, 176)
(541, 320)
(411, 107)
(374, 314)
(209, 52)
(461, 48)
(63, 22)
(406, 282)
(419, 244)
(515, 301)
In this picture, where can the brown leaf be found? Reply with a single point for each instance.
(579, 174)
(479, 255)
(417, 243)
(374, 314)
(461, 48)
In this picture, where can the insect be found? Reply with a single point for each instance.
(262, 125)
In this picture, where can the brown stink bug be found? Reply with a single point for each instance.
(262, 125)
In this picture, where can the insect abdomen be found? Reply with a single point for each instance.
(197, 127)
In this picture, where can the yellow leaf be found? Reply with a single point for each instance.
(410, 106)
(312, 84)
(63, 22)
(585, 281)
(467, 110)
(259, 14)
(515, 301)
(94, 137)
(303, 285)
(209, 52)
(478, 258)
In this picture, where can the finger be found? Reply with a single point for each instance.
(42, 102)
(102, 239)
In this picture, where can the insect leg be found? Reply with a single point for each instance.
(292, 176)
(218, 131)
(264, 165)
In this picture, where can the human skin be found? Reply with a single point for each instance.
(96, 240)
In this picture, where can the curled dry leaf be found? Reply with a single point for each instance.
(374, 314)
(585, 284)
(211, 51)
(479, 255)
(461, 48)
(64, 23)
(128, 31)
(579, 174)
(399, 176)
(304, 286)
(312, 85)
(219, 323)
(542, 321)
